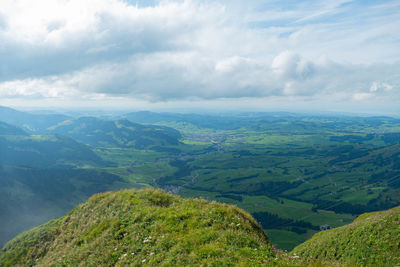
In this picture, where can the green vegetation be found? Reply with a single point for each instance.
(120, 133)
(292, 172)
(151, 227)
(147, 226)
(328, 183)
(373, 239)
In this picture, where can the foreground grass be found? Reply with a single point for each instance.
(153, 228)
(373, 239)
(134, 227)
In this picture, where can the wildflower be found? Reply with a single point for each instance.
(144, 260)
(152, 253)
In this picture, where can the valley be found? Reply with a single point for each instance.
(295, 173)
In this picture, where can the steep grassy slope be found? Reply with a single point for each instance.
(133, 227)
(373, 239)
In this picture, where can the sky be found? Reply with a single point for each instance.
(325, 55)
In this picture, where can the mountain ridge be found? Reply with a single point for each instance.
(120, 133)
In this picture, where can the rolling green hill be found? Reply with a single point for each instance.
(373, 239)
(143, 227)
(121, 133)
(150, 227)
(292, 172)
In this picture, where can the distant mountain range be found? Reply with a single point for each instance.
(28, 121)
(258, 120)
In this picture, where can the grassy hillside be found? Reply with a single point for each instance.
(133, 227)
(121, 133)
(373, 239)
(148, 226)
(293, 173)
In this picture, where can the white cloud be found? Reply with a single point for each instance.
(199, 50)
(51, 87)
(288, 65)
(362, 96)
(380, 86)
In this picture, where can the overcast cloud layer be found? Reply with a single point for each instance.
(333, 51)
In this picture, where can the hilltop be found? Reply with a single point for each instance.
(373, 239)
(149, 226)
